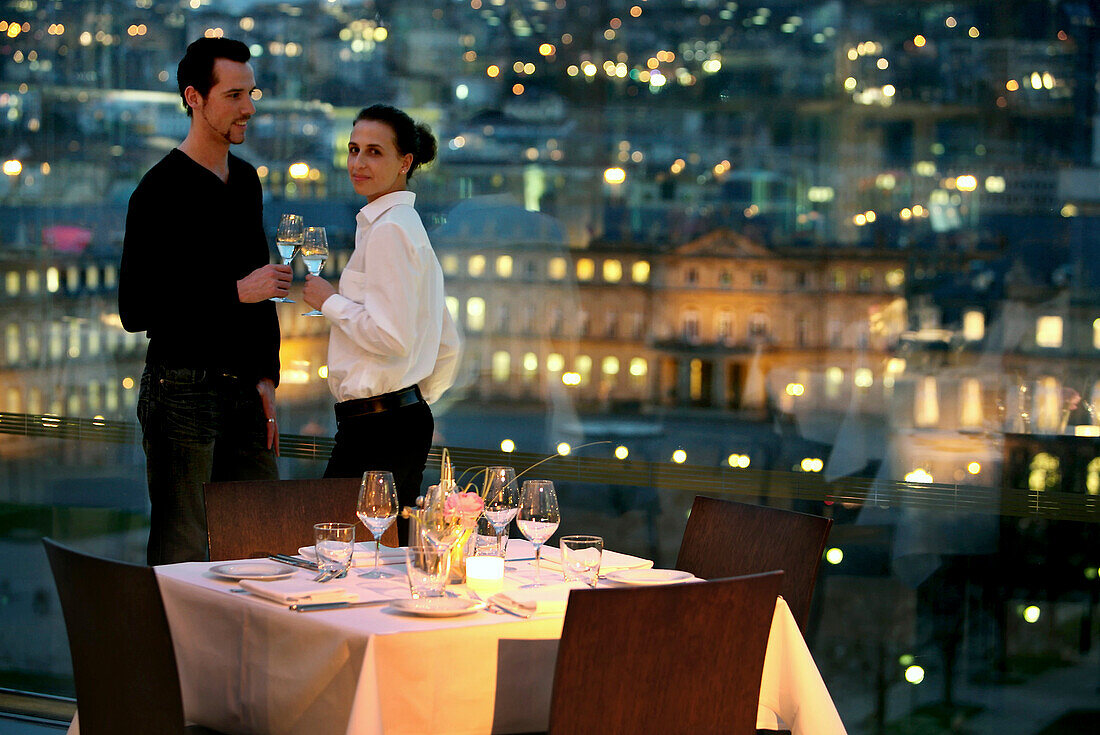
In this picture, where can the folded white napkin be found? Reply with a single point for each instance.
(291, 591)
(610, 561)
(363, 554)
(551, 598)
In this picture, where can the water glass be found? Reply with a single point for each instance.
(485, 540)
(334, 543)
(580, 558)
(428, 567)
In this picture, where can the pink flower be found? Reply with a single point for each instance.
(467, 505)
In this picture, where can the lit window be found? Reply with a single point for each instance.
(450, 264)
(95, 340)
(834, 379)
(612, 271)
(695, 379)
(15, 402)
(866, 278)
(639, 272)
(476, 266)
(926, 407)
(109, 276)
(502, 366)
(94, 396)
(555, 363)
(973, 326)
(839, 280)
(57, 344)
(639, 367)
(91, 277)
(583, 366)
(530, 363)
(33, 282)
(11, 283)
(895, 279)
(475, 314)
(72, 278)
(11, 343)
(1096, 334)
(557, 269)
(74, 339)
(863, 378)
(610, 366)
(452, 306)
(586, 269)
(504, 266)
(53, 279)
(34, 347)
(35, 401)
(1048, 331)
(970, 403)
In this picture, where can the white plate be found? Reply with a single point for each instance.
(438, 607)
(649, 576)
(252, 570)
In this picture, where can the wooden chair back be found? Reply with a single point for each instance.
(252, 518)
(121, 647)
(684, 658)
(728, 539)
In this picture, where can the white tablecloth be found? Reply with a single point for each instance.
(251, 666)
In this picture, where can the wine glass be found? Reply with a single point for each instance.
(288, 238)
(437, 526)
(501, 500)
(538, 518)
(314, 253)
(377, 508)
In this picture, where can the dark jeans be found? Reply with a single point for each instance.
(397, 440)
(198, 426)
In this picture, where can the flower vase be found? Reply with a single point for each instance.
(459, 551)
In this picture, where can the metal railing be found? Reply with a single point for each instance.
(725, 481)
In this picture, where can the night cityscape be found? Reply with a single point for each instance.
(833, 256)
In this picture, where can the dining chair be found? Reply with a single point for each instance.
(124, 666)
(685, 658)
(252, 518)
(727, 539)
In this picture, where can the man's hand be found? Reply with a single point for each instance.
(264, 283)
(266, 389)
(317, 291)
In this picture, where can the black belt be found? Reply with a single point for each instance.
(378, 404)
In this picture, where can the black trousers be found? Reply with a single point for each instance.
(397, 440)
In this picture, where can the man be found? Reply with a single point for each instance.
(195, 277)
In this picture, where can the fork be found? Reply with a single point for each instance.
(489, 606)
(325, 575)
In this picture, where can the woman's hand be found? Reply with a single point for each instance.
(317, 291)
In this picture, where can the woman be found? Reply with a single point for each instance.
(393, 348)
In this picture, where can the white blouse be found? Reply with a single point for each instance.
(391, 327)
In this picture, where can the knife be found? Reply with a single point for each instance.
(293, 561)
(311, 606)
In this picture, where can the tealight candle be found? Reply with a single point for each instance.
(485, 573)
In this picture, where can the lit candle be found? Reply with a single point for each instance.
(485, 573)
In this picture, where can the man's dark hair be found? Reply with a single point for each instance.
(196, 68)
